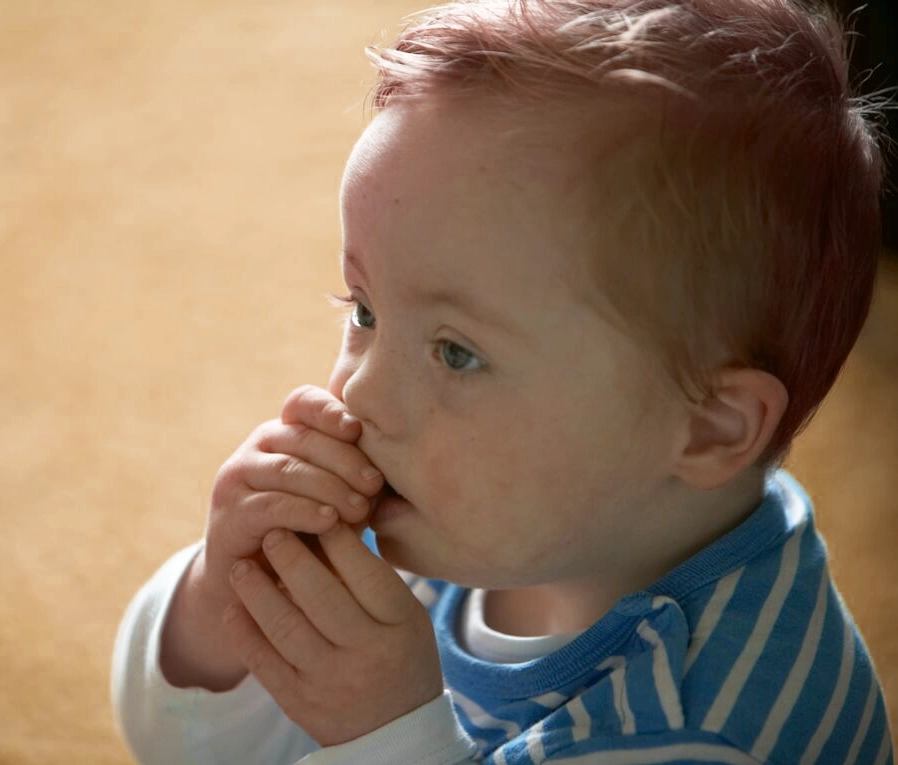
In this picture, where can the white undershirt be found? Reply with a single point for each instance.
(485, 643)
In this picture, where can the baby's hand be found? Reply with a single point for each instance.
(301, 472)
(342, 652)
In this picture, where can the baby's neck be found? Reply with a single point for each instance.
(692, 520)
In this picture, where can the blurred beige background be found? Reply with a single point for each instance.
(168, 230)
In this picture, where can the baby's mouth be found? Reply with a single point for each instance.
(385, 493)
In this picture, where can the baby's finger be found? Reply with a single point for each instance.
(289, 475)
(286, 627)
(267, 510)
(373, 583)
(259, 656)
(319, 410)
(324, 600)
(343, 459)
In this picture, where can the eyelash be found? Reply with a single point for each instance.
(440, 346)
(341, 301)
(349, 302)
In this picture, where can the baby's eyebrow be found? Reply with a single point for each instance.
(465, 303)
(350, 258)
(444, 296)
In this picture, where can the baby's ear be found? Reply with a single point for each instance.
(729, 431)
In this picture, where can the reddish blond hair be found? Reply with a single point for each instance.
(753, 213)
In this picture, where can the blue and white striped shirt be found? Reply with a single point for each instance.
(743, 654)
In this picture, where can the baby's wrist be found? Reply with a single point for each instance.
(191, 654)
(209, 585)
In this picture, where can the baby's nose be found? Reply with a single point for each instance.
(373, 395)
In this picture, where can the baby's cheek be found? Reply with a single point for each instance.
(474, 464)
(443, 473)
(470, 480)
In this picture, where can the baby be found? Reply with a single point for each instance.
(603, 260)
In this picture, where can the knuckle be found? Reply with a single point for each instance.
(374, 582)
(315, 406)
(321, 600)
(262, 511)
(277, 510)
(290, 467)
(301, 433)
(260, 431)
(283, 510)
(234, 469)
(227, 480)
(226, 473)
(266, 505)
(304, 391)
(298, 402)
(303, 397)
(262, 435)
(256, 657)
(333, 411)
(285, 628)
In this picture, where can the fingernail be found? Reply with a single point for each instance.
(370, 472)
(347, 421)
(240, 569)
(274, 538)
(327, 511)
(357, 500)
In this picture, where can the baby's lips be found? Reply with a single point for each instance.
(375, 500)
(359, 528)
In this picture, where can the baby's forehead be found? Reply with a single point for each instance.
(458, 162)
(451, 193)
(555, 147)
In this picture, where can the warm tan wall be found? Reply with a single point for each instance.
(168, 227)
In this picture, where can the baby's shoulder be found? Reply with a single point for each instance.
(774, 663)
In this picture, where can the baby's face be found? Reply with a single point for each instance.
(512, 419)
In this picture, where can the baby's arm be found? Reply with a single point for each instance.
(164, 725)
(277, 479)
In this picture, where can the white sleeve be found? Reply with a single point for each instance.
(167, 725)
(429, 735)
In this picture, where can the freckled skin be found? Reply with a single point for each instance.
(533, 470)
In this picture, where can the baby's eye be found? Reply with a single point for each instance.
(458, 358)
(362, 317)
